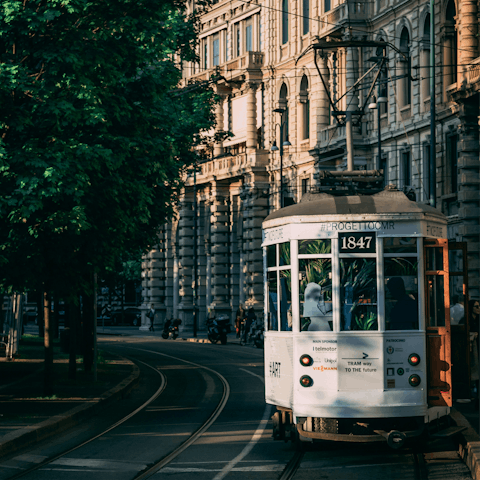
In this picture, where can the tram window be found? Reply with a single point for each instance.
(401, 293)
(358, 294)
(285, 300)
(400, 245)
(315, 276)
(272, 301)
(271, 255)
(434, 257)
(285, 254)
(436, 301)
(314, 247)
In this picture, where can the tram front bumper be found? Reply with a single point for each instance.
(394, 438)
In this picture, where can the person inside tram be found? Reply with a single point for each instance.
(404, 313)
(457, 310)
(315, 307)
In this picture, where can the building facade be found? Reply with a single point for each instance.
(276, 90)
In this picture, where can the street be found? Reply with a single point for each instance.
(207, 419)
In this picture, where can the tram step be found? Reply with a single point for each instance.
(448, 432)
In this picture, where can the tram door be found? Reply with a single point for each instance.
(458, 272)
(437, 301)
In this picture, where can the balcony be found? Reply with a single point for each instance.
(228, 167)
(473, 72)
(235, 69)
(351, 11)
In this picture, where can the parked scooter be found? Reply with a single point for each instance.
(217, 329)
(170, 329)
(257, 334)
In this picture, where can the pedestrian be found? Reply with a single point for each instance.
(250, 318)
(239, 318)
(151, 316)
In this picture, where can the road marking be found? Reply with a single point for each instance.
(222, 461)
(102, 464)
(31, 458)
(253, 468)
(254, 374)
(256, 437)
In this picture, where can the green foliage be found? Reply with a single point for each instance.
(94, 135)
(366, 321)
(317, 271)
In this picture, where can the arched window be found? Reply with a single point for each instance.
(283, 104)
(284, 21)
(450, 45)
(405, 90)
(305, 108)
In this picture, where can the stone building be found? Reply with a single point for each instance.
(272, 93)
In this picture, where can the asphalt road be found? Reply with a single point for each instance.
(201, 380)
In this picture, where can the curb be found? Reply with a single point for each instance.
(24, 437)
(469, 446)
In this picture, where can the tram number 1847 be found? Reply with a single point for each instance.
(357, 242)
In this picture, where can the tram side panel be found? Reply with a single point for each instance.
(279, 369)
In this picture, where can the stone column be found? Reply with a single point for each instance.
(255, 209)
(323, 106)
(469, 188)
(185, 263)
(218, 147)
(154, 284)
(220, 252)
(351, 77)
(468, 28)
(252, 116)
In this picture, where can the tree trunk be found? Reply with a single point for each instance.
(56, 316)
(88, 325)
(40, 321)
(48, 342)
(72, 313)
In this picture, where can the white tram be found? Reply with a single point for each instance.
(357, 327)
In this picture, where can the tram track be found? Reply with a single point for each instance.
(50, 460)
(152, 469)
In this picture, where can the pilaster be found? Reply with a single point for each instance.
(469, 188)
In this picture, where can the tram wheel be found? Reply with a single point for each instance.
(325, 425)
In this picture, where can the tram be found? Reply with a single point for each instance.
(357, 319)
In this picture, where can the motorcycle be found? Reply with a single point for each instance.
(170, 329)
(256, 334)
(218, 328)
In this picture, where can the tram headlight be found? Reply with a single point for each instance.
(306, 381)
(306, 360)
(414, 380)
(414, 359)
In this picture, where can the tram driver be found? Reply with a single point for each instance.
(315, 307)
(404, 313)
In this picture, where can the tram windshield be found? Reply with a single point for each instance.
(372, 284)
(358, 294)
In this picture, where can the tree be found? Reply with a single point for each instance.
(93, 141)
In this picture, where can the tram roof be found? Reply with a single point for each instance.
(387, 202)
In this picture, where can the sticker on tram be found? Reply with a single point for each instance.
(357, 242)
(275, 369)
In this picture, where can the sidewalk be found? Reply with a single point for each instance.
(26, 416)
